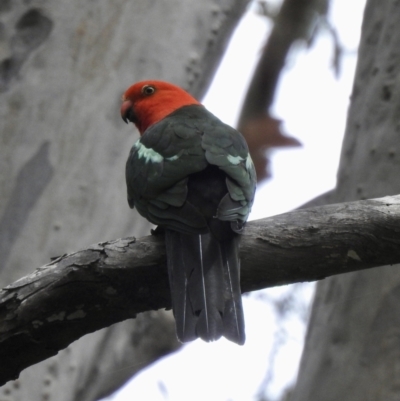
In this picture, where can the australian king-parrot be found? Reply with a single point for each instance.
(192, 175)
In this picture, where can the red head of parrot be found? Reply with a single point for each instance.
(148, 102)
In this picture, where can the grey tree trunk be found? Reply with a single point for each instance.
(352, 345)
(63, 67)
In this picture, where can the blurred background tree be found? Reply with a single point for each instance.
(352, 345)
(63, 68)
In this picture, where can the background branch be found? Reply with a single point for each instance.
(295, 21)
(109, 282)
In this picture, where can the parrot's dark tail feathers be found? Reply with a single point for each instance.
(205, 286)
(233, 312)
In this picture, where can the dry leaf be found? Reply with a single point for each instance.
(263, 133)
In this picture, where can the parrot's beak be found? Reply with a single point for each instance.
(127, 113)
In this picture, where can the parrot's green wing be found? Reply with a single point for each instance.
(185, 143)
(226, 148)
(157, 173)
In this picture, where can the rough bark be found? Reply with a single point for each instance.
(352, 347)
(113, 281)
(63, 67)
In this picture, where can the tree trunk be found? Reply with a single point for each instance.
(63, 67)
(352, 344)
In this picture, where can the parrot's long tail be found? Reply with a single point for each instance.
(204, 276)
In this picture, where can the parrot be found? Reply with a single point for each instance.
(192, 176)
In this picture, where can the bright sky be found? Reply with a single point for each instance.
(313, 105)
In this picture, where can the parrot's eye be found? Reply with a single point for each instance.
(148, 90)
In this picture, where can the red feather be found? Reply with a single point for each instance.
(150, 108)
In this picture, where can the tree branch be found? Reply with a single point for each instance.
(263, 132)
(79, 293)
(292, 22)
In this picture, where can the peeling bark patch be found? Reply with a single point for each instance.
(386, 93)
(79, 314)
(5, 5)
(58, 316)
(30, 31)
(111, 291)
(8, 69)
(32, 179)
(353, 255)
